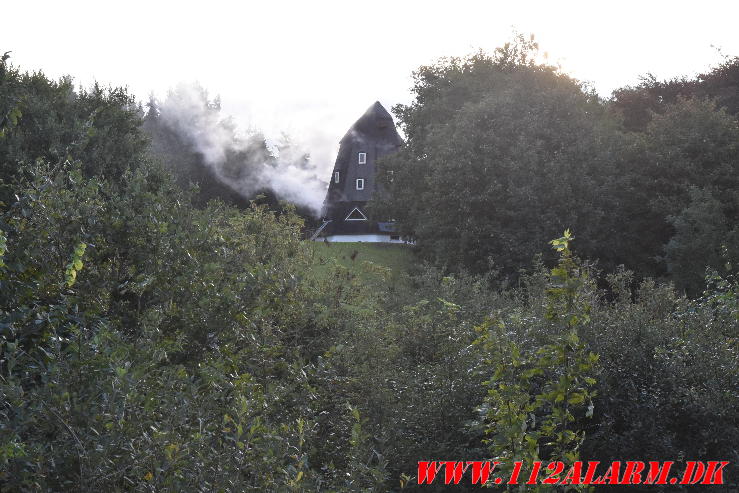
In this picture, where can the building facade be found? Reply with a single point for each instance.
(353, 184)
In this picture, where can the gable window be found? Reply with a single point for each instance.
(360, 183)
(356, 215)
(336, 177)
(362, 157)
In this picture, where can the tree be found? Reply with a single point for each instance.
(501, 153)
(52, 121)
(639, 103)
(702, 231)
(539, 394)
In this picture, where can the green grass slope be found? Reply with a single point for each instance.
(396, 257)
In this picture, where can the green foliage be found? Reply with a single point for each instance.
(42, 119)
(174, 361)
(179, 358)
(670, 374)
(702, 231)
(75, 264)
(539, 394)
(3, 248)
(638, 104)
(693, 144)
(150, 341)
(681, 192)
(400, 352)
(9, 111)
(510, 151)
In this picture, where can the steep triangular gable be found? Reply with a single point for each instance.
(356, 215)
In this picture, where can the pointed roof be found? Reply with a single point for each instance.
(376, 123)
(375, 135)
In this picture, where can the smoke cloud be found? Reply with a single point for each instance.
(245, 161)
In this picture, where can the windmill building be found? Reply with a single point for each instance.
(353, 181)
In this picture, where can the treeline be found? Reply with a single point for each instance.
(154, 341)
(503, 153)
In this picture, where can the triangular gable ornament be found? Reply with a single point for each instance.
(356, 215)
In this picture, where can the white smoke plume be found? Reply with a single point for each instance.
(246, 162)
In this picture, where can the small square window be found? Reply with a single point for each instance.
(362, 157)
(336, 177)
(360, 183)
(394, 237)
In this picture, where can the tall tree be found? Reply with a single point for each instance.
(52, 121)
(501, 154)
(637, 104)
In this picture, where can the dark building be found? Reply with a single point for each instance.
(353, 180)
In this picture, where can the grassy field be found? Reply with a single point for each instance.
(396, 257)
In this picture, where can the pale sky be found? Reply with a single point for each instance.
(311, 68)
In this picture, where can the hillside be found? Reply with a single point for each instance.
(398, 258)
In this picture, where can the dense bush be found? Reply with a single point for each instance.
(149, 344)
